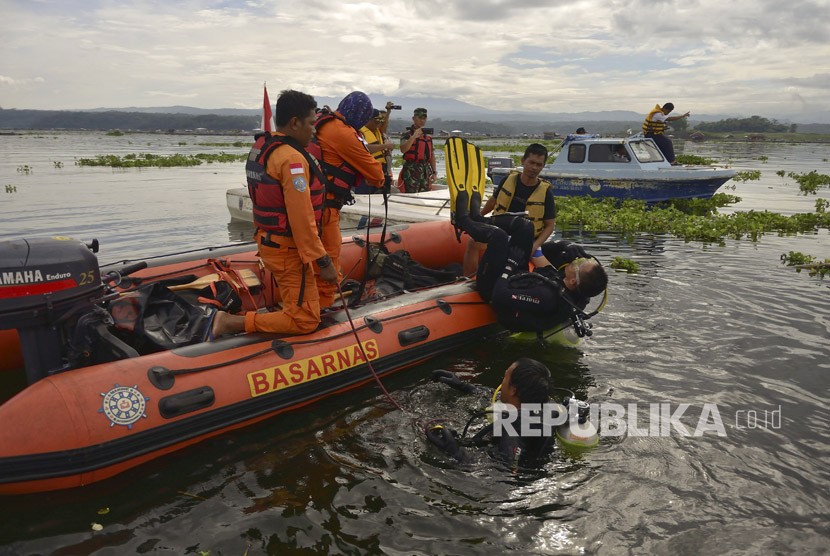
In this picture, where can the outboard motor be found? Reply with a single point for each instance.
(46, 286)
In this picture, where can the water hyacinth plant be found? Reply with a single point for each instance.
(691, 220)
(147, 160)
(622, 263)
(801, 262)
(810, 182)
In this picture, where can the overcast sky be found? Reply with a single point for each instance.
(740, 57)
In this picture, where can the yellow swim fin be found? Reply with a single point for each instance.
(465, 171)
(477, 175)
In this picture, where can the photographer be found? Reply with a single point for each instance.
(379, 147)
(418, 172)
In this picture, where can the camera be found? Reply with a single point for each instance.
(428, 131)
(395, 107)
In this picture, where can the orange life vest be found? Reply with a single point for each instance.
(340, 178)
(266, 192)
(420, 151)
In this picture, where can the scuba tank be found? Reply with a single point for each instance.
(578, 431)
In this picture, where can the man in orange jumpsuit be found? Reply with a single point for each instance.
(346, 161)
(287, 200)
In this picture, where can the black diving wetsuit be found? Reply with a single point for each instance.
(514, 451)
(523, 301)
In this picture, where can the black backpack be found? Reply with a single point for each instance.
(400, 272)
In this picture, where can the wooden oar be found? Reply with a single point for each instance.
(248, 276)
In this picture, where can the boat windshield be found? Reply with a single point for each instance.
(646, 151)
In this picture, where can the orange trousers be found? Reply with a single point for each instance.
(289, 271)
(332, 239)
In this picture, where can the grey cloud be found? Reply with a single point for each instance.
(819, 81)
(738, 22)
(484, 10)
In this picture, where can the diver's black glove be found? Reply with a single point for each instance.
(575, 251)
(444, 439)
(562, 251)
(450, 379)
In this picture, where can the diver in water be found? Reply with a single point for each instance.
(565, 277)
(525, 382)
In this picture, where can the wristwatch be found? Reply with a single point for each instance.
(324, 261)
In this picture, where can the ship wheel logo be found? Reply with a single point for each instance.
(124, 405)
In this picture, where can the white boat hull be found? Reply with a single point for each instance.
(402, 208)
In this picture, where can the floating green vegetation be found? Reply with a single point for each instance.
(222, 157)
(747, 175)
(695, 220)
(11, 188)
(240, 144)
(780, 173)
(57, 164)
(810, 182)
(822, 205)
(25, 169)
(700, 207)
(763, 159)
(621, 263)
(146, 160)
(182, 143)
(115, 133)
(800, 262)
(694, 160)
(520, 147)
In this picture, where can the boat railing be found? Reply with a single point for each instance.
(556, 148)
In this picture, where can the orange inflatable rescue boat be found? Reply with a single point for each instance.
(102, 369)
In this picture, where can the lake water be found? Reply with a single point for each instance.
(726, 328)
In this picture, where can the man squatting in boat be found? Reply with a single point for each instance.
(286, 188)
(520, 192)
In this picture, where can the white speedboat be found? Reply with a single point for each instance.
(624, 168)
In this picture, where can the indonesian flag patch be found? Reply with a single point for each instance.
(296, 169)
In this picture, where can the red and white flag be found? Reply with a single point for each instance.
(267, 123)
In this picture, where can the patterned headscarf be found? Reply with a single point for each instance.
(356, 108)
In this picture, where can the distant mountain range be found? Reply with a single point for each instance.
(451, 109)
(444, 114)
